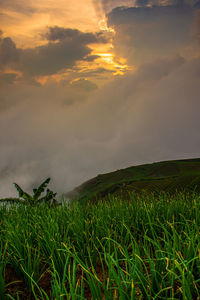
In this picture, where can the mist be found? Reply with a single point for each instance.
(148, 115)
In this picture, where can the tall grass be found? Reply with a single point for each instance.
(144, 248)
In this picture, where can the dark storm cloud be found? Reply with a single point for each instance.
(64, 48)
(8, 52)
(53, 57)
(60, 33)
(108, 5)
(145, 14)
(145, 33)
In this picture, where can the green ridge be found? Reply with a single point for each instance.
(167, 176)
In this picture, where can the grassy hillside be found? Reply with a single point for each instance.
(167, 176)
(147, 249)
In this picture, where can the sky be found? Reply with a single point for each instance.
(92, 86)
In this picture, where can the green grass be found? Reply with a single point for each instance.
(161, 176)
(145, 248)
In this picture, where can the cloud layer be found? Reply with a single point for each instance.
(64, 48)
(144, 33)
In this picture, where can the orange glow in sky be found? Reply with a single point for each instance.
(27, 21)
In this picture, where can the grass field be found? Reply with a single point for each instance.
(144, 248)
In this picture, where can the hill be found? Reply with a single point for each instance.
(167, 176)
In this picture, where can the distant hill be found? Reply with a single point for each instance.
(166, 176)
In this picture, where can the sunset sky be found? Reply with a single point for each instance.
(90, 86)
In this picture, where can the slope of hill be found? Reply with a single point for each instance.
(166, 176)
